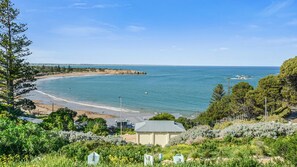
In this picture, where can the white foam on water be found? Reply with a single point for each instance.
(86, 104)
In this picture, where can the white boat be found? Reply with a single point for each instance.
(241, 77)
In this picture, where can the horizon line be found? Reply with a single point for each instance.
(154, 65)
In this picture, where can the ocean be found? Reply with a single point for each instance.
(175, 89)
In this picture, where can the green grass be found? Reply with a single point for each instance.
(56, 160)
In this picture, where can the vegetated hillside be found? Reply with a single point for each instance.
(280, 92)
(43, 70)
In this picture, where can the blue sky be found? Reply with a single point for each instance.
(161, 32)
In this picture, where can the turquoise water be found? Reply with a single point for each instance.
(185, 90)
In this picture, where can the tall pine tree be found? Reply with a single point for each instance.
(17, 77)
(218, 93)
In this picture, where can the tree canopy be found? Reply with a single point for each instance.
(187, 123)
(163, 116)
(238, 101)
(62, 119)
(215, 111)
(218, 93)
(16, 76)
(97, 126)
(288, 71)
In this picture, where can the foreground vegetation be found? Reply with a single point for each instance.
(228, 151)
(27, 144)
(62, 161)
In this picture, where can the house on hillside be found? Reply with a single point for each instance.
(157, 132)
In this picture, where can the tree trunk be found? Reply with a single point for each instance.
(10, 86)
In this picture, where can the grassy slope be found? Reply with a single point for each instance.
(61, 161)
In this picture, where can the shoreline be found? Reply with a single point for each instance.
(46, 109)
(109, 113)
(86, 104)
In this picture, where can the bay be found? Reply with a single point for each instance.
(174, 89)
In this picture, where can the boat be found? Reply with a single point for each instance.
(241, 77)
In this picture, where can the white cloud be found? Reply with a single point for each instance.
(253, 26)
(105, 6)
(133, 28)
(92, 6)
(81, 31)
(221, 49)
(99, 6)
(79, 4)
(276, 6)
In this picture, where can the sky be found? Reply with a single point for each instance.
(161, 32)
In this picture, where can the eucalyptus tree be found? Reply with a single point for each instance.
(238, 100)
(17, 77)
(288, 71)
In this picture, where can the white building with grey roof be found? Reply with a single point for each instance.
(157, 132)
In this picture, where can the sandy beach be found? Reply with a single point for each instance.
(45, 103)
(46, 109)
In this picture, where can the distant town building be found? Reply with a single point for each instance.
(157, 132)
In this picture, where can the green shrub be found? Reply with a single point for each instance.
(244, 162)
(279, 110)
(97, 126)
(187, 123)
(163, 116)
(222, 125)
(186, 150)
(208, 149)
(285, 147)
(285, 113)
(50, 160)
(62, 119)
(6, 115)
(26, 139)
(82, 118)
(109, 153)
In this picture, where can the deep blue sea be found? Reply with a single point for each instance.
(174, 89)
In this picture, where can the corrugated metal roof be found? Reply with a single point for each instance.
(159, 126)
